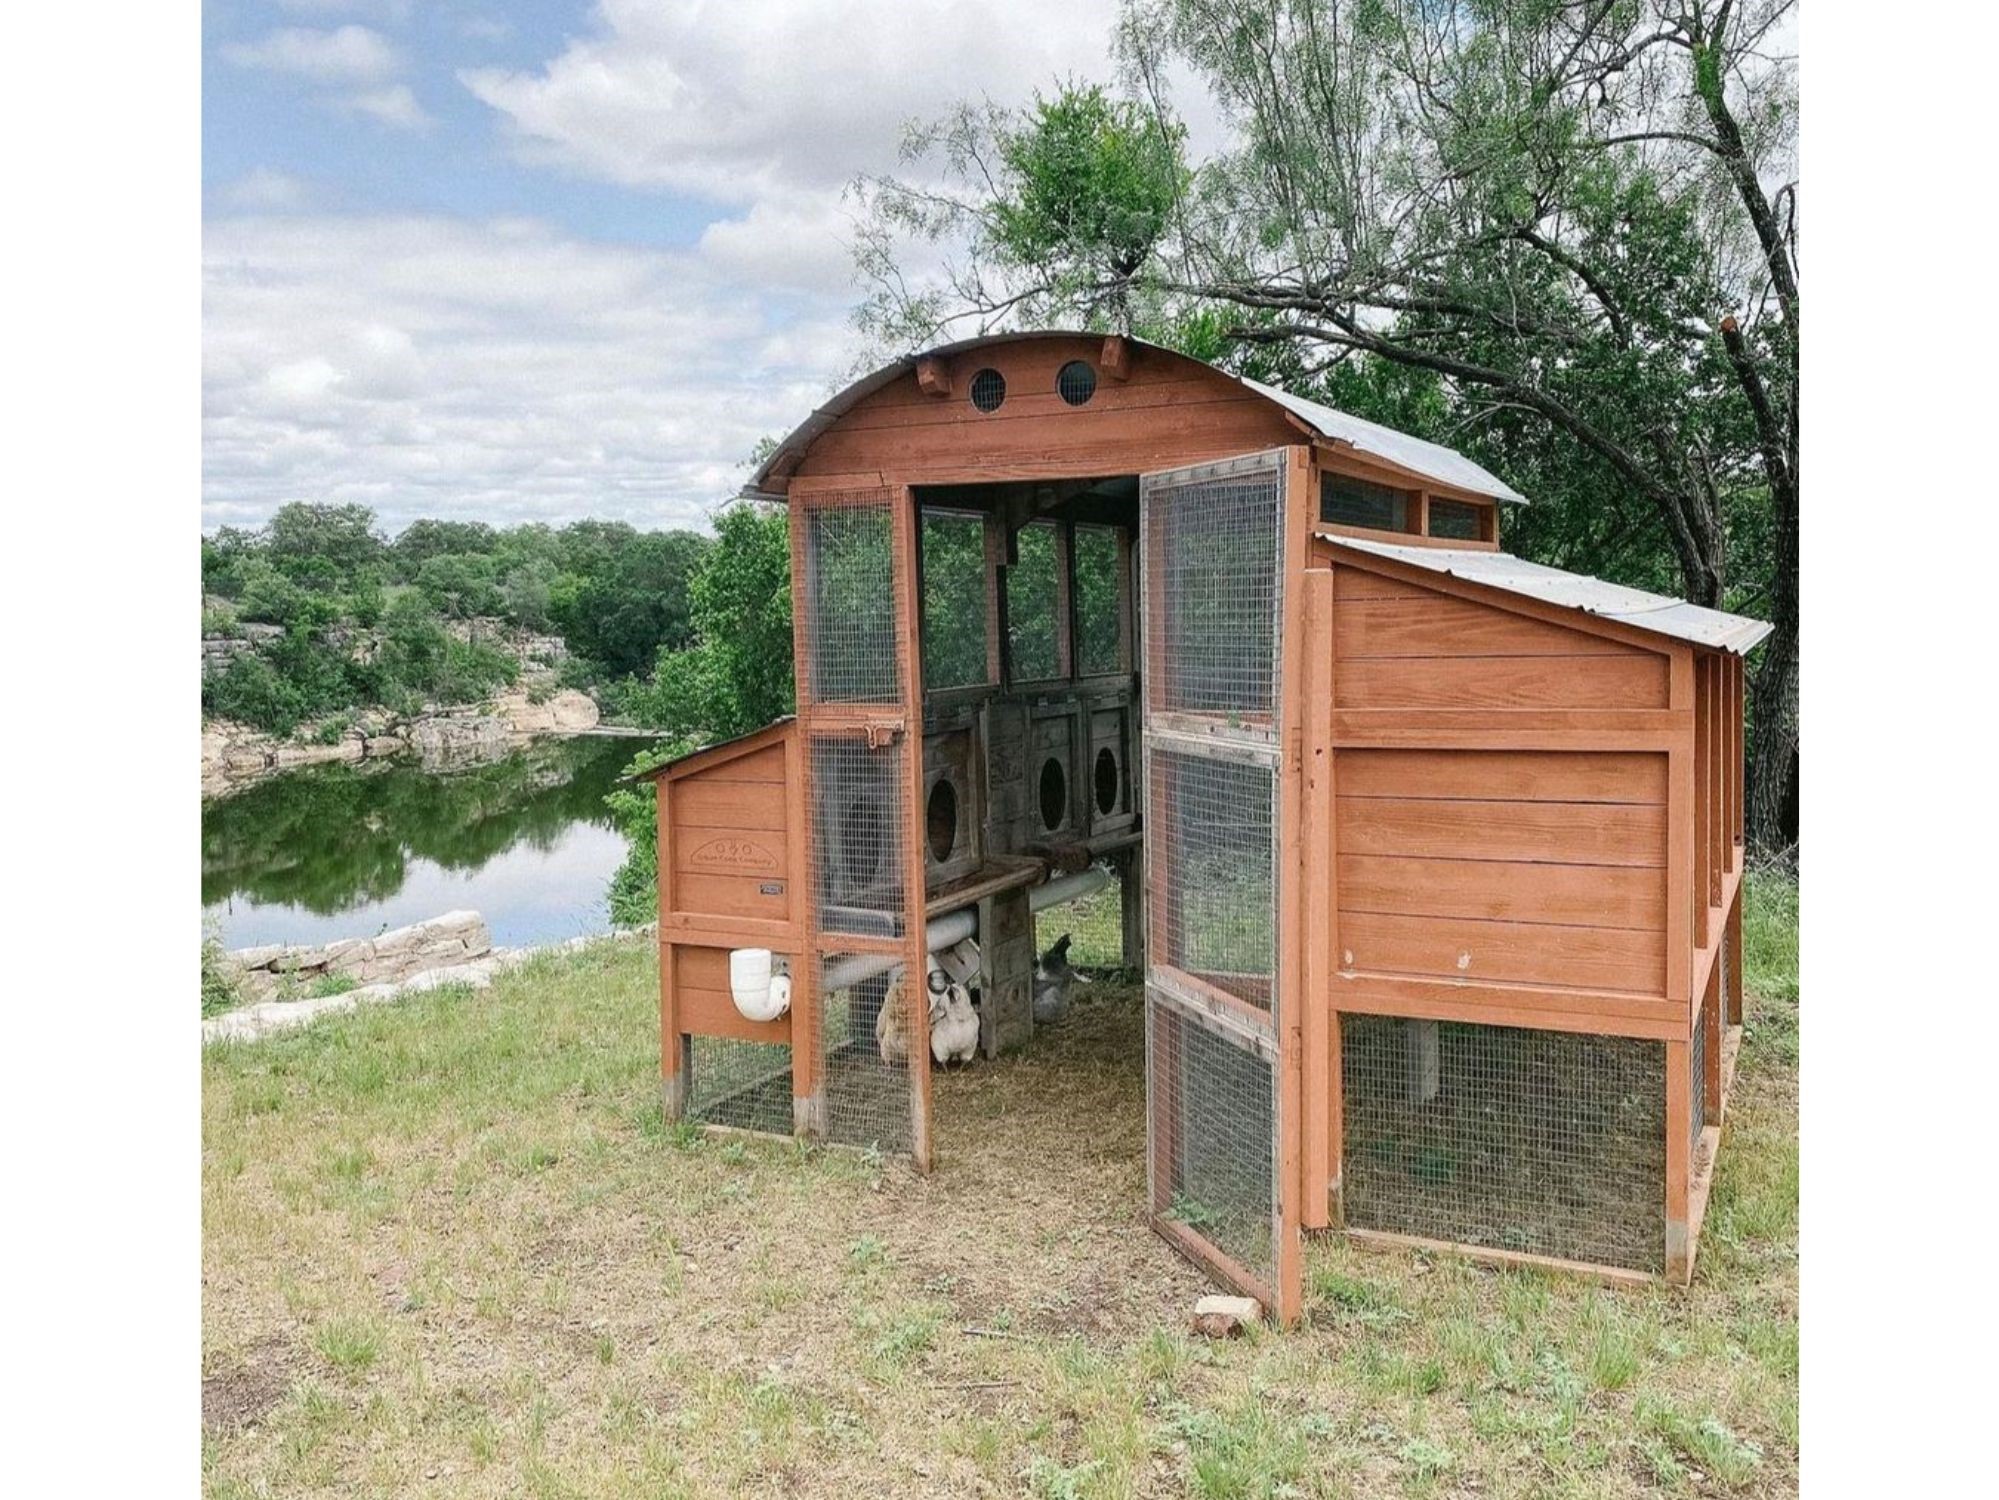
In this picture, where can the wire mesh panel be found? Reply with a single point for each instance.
(864, 1038)
(846, 603)
(857, 848)
(1098, 571)
(1033, 605)
(1214, 909)
(1211, 548)
(1213, 1137)
(856, 562)
(1213, 551)
(1542, 1142)
(744, 1084)
(954, 599)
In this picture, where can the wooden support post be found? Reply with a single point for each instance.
(1130, 867)
(1006, 961)
(672, 1048)
(908, 635)
(1679, 1131)
(1294, 500)
(1321, 1025)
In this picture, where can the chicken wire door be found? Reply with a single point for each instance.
(861, 1012)
(1213, 546)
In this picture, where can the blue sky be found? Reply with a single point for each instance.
(538, 261)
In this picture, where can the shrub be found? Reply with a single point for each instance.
(220, 988)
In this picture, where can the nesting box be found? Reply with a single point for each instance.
(1434, 856)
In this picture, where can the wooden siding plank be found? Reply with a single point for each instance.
(1505, 775)
(1437, 625)
(734, 896)
(1506, 890)
(1610, 958)
(1550, 1007)
(706, 1012)
(737, 805)
(765, 765)
(1631, 680)
(1555, 832)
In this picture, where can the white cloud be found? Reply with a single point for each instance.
(347, 55)
(737, 100)
(394, 106)
(502, 370)
(264, 189)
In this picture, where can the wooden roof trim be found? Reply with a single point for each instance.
(722, 751)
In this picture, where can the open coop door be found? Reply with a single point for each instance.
(1219, 545)
(863, 1006)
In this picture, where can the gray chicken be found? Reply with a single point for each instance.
(1052, 976)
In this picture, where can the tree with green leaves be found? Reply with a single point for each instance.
(733, 676)
(1567, 227)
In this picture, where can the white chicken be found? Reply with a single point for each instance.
(954, 1026)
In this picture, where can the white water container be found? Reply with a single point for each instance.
(759, 995)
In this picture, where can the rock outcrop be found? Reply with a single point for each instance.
(264, 1018)
(453, 939)
(233, 753)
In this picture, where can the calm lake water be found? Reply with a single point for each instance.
(348, 851)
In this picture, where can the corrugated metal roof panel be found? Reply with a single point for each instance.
(1446, 465)
(1432, 459)
(1658, 613)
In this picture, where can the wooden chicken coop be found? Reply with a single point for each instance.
(1433, 855)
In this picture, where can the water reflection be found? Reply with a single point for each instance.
(337, 851)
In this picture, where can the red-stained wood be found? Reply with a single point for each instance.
(933, 377)
(1412, 625)
(1585, 833)
(903, 519)
(1627, 681)
(1504, 775)
(1630, 960)
(1679, 1125)
(1548, 1007)
(746, 806)
(1293, 912)
(672, 1055)
(1506, 890)
(1115, 358)
(1321, 1079)
(706, 1012)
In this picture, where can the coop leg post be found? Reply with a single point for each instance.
(1423, 1050)
(1006, 959)
(673, 1081)
(672, 1043)
(1679, 1127)
(1130, 866)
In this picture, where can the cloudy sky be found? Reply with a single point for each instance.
(507, 260)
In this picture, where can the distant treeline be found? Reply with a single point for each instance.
(362, 620)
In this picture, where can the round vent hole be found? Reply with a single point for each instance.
(1104, 778)
(988, 390)
(1076, 382)
(1054, 794)
(940, 820)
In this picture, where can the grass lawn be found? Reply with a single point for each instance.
(449, 1248)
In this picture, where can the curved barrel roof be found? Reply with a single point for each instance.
(1435, 461)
